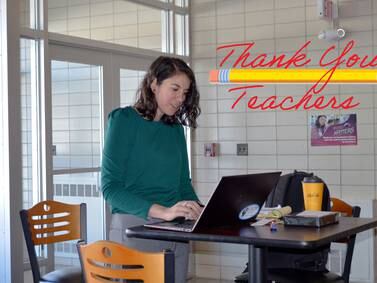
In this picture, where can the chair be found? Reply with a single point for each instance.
(51, 222)
(289, 275)
(107, 261)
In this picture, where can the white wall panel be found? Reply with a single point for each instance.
(279, 140)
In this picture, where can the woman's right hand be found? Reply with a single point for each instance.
(188, 209)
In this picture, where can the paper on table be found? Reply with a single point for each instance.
(262, 222)
(268, 209)
(276, 213)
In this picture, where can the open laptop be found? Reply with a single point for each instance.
(235, 201)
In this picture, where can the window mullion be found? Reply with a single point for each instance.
(171, 32)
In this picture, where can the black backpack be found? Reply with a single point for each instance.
(288, 191)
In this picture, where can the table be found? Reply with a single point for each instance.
(259, 239)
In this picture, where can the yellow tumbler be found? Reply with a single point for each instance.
(312, 189)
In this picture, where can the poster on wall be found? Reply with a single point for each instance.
(333, 129)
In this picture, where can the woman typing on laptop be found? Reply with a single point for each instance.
(145, 170)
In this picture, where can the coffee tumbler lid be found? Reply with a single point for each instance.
(312, 179)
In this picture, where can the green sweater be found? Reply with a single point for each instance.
(143, 163)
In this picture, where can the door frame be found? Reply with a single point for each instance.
(112, 62)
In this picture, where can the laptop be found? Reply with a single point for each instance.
(235, 201)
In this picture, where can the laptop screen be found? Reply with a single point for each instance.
(238, 199)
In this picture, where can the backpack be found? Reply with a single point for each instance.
(288, 191)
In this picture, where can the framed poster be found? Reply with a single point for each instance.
(333, 129)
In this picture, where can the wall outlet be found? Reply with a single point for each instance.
(242, 149)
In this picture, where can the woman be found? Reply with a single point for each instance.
(321, 127)
(145, 170)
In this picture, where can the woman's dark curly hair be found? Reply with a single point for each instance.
(161, 69)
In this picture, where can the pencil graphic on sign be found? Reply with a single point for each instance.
(351, 76)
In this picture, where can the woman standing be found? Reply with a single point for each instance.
(145, 171)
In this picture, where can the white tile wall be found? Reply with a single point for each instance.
(261, 118)
(278, 140)
(232, 119)
(285, 15)
(229, 172)
(232, 162)
(208, 93)
(260, 32)
(292, 147)
(259, 5)
(205, 23)
(73, 2)
(233, 20)
(230, 35)
(259, 18)
(261, 133)
(204, 37)
(207, 120)
(232, 133)
(359, 162)
(267, 162)
(205, 189)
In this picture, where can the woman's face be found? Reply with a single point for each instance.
(170, 94)
(322, 120)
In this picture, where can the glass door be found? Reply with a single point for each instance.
(129, 83)
(77, 89)
(128, 74)
(85, 86)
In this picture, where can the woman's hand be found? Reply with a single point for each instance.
(188, 209)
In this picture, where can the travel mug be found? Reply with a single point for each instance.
(312, 189)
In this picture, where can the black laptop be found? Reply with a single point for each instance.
(235, 201)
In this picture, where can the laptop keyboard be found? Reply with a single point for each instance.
(187, 224)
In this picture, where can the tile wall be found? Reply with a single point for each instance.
(277, 140)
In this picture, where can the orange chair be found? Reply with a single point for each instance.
(51, 222)
(107, 261)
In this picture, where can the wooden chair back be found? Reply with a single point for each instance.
(50, 222)
(340, 206)
(107, 261)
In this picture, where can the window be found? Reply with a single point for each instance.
(30, 14)
(181, 3)
(76, 112)
(113, 21)
(76, 138)
(25, 13)
(181, 35)
(129, 83)
(26, 124)
(64, 100)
